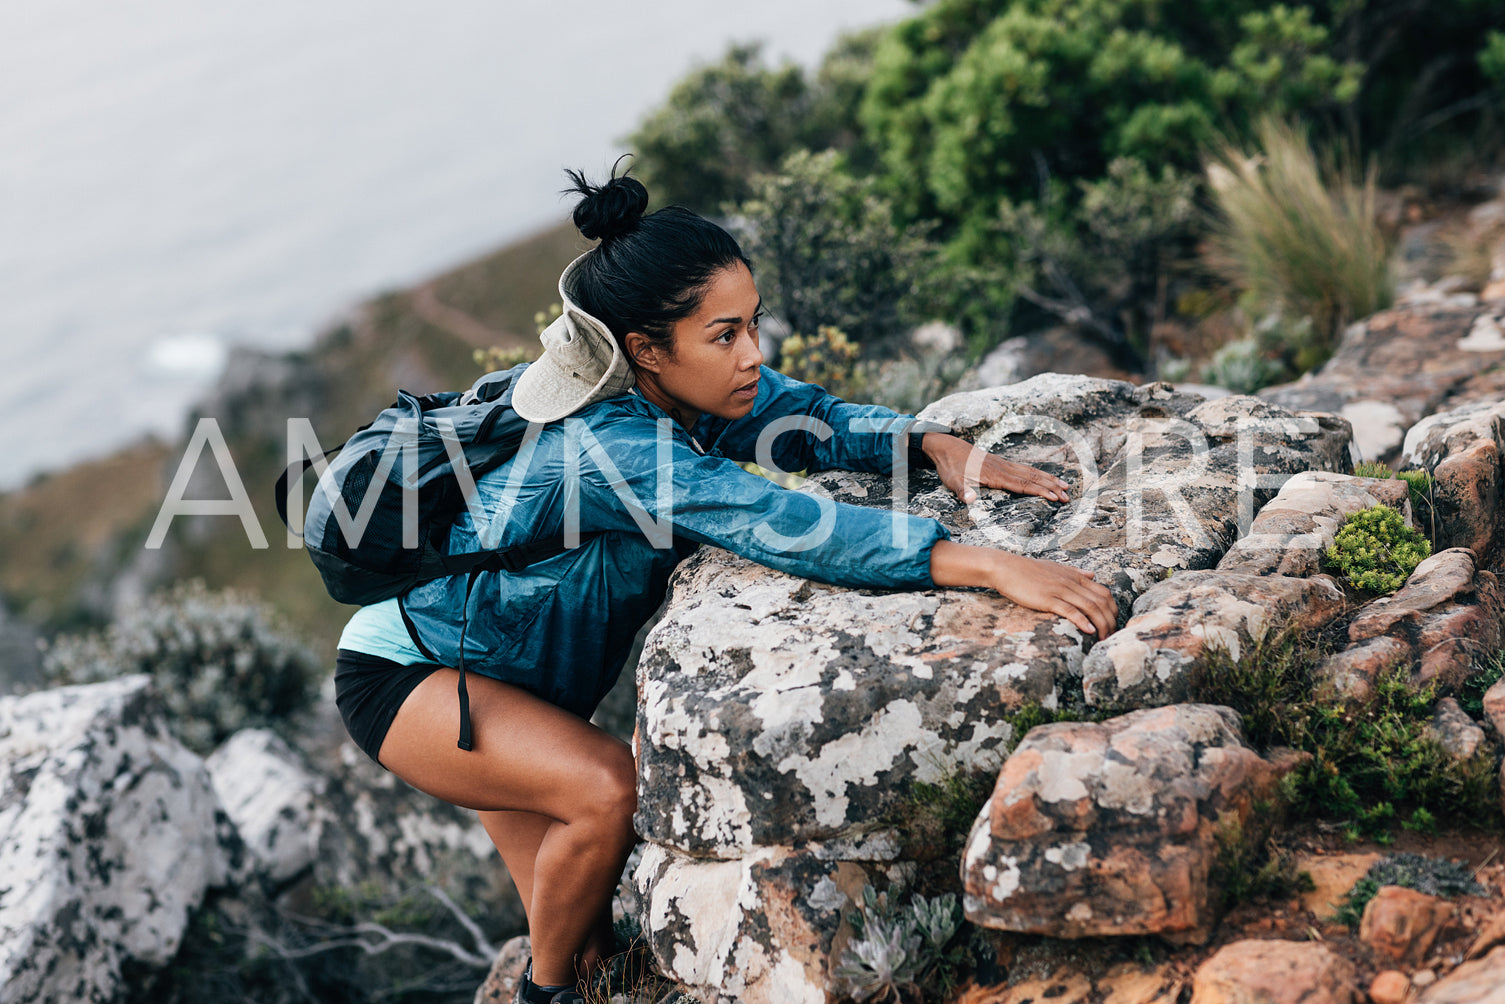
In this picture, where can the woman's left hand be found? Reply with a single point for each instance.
(962, 472)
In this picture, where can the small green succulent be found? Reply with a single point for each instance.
(1375, 551)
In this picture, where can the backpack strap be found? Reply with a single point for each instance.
(472, 564)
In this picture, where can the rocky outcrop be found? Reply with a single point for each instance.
(1116, 828)
(109, 836)
(1447, 615)
(1267, 582)
(1153, 659)
(1402, 365)
(782, 720)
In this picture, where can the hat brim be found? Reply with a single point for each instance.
(552, 388)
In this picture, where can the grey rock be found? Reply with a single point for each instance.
(111, 835)
(273, 798)
(1431, 629)
(1178, 624)
(1454, 730)
(758, 930)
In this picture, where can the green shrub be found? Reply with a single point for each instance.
(827, 253)
(1372, 762)
(1243, 366)
(1375, 552)
(221, 661)
(826, 358)
(728, 121)
(1299, 235)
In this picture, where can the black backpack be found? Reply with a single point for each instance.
(420, 457)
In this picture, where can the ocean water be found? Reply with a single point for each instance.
(178, 177)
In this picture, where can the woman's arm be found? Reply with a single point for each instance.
(962, 465)
(1047, 586)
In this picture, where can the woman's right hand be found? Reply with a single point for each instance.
(1047, 586)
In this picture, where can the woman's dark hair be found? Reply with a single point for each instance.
(648, 271)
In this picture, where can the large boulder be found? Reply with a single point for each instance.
(768, 927)
(1116, 828)
(110, 833)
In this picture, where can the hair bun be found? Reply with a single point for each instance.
(608, 210)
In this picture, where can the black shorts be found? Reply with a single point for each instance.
(368, 690)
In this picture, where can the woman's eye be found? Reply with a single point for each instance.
(727, 336)
(756, 320)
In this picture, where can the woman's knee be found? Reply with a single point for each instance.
(614, 787)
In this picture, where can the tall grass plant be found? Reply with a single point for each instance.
(1297, 231)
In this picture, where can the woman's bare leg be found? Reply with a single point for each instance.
(517, 836)
(529, 757)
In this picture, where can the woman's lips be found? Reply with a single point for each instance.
(747, 391)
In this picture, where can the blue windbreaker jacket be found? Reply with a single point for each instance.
(641, 492)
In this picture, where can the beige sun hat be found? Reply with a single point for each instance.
(581, 363)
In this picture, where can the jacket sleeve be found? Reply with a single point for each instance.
(667, 490)
(797, 426)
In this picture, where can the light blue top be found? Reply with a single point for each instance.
(378, 630)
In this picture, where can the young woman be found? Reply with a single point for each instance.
(650, 391)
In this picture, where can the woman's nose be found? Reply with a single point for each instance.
(753, 357)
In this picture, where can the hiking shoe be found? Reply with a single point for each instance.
(526, 988)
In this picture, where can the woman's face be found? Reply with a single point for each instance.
(713, 367)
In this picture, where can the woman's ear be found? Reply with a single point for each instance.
(643, 352)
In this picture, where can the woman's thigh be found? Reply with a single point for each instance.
(528, 755)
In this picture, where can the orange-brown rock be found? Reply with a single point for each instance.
(1434, 626)
(1275, 972)
(501, 982)
(1389, 987)
(1479, 982)
(1461, 448)
(1402, 924)
(1494, 707)
(1114, 828)
(1490, 936)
